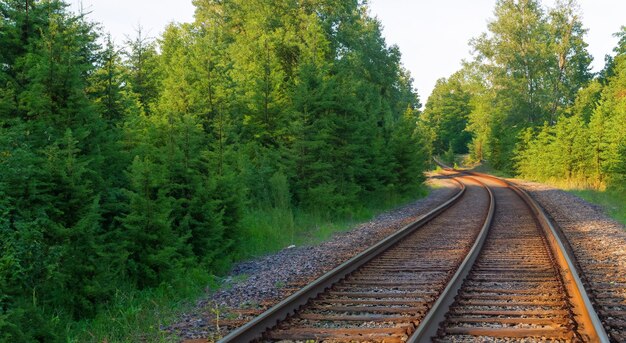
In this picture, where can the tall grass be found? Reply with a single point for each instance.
(272, 229)
(138, 315)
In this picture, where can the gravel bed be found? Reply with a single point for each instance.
(599, 244)
(256, 285)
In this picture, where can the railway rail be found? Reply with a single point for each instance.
(470, 269)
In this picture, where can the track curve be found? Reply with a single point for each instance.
(453, 276)
(514, 290)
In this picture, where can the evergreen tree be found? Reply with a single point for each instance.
(446, 116)
(51, 138)
(124, 169)
(142, 62)
(409, 155)
(606, 129)
(153, 248)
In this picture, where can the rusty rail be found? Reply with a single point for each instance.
(591, 325)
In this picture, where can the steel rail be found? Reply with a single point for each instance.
(268, 319)
(430, 324)
(591, 325)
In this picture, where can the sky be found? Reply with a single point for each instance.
(432, 35)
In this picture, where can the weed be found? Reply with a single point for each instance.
(216, 311)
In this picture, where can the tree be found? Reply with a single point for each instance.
(446, 116)
(587, 100)
(51, 145)
(143, 69)
(586, 144)
(121, 169)
(606, 129)
(609, 61)
(154, 249)
(534, 63)
(572, 69)
(409, 154)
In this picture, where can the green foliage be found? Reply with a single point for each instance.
(135, 315)
(579, 150)
(123, 172)
(143, 72)
(587, 100)
(408, 156)
(273, 229)
(530, 103)
(446, 115)
(449, 156)
(610, 63)
(153, 246)
(528, 70)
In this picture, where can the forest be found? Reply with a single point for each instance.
(127, 168)
(529, 105)
(134, 167)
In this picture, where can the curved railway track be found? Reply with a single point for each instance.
(454, 275)
(517, 288)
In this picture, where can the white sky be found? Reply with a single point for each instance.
(432, 35)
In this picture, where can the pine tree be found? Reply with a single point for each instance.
(409, 155)
(143, 67)
(313, 101)
(606, 126)
(153, 248)
(446, 116)
(123, 169)
(51, 144)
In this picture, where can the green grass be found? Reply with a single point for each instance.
(266, 230)
(270, 230)
(137, 315)
(613, 202)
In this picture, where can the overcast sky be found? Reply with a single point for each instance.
(432, 34)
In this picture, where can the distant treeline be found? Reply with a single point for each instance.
(120, 168)
(528, 104)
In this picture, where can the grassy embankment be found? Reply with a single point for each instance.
(138, 315)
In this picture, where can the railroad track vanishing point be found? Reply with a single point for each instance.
(486, 265)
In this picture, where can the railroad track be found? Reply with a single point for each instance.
(516, 288)
(454, 275)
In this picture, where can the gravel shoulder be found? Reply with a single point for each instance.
(599, 245)
(256, 285)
